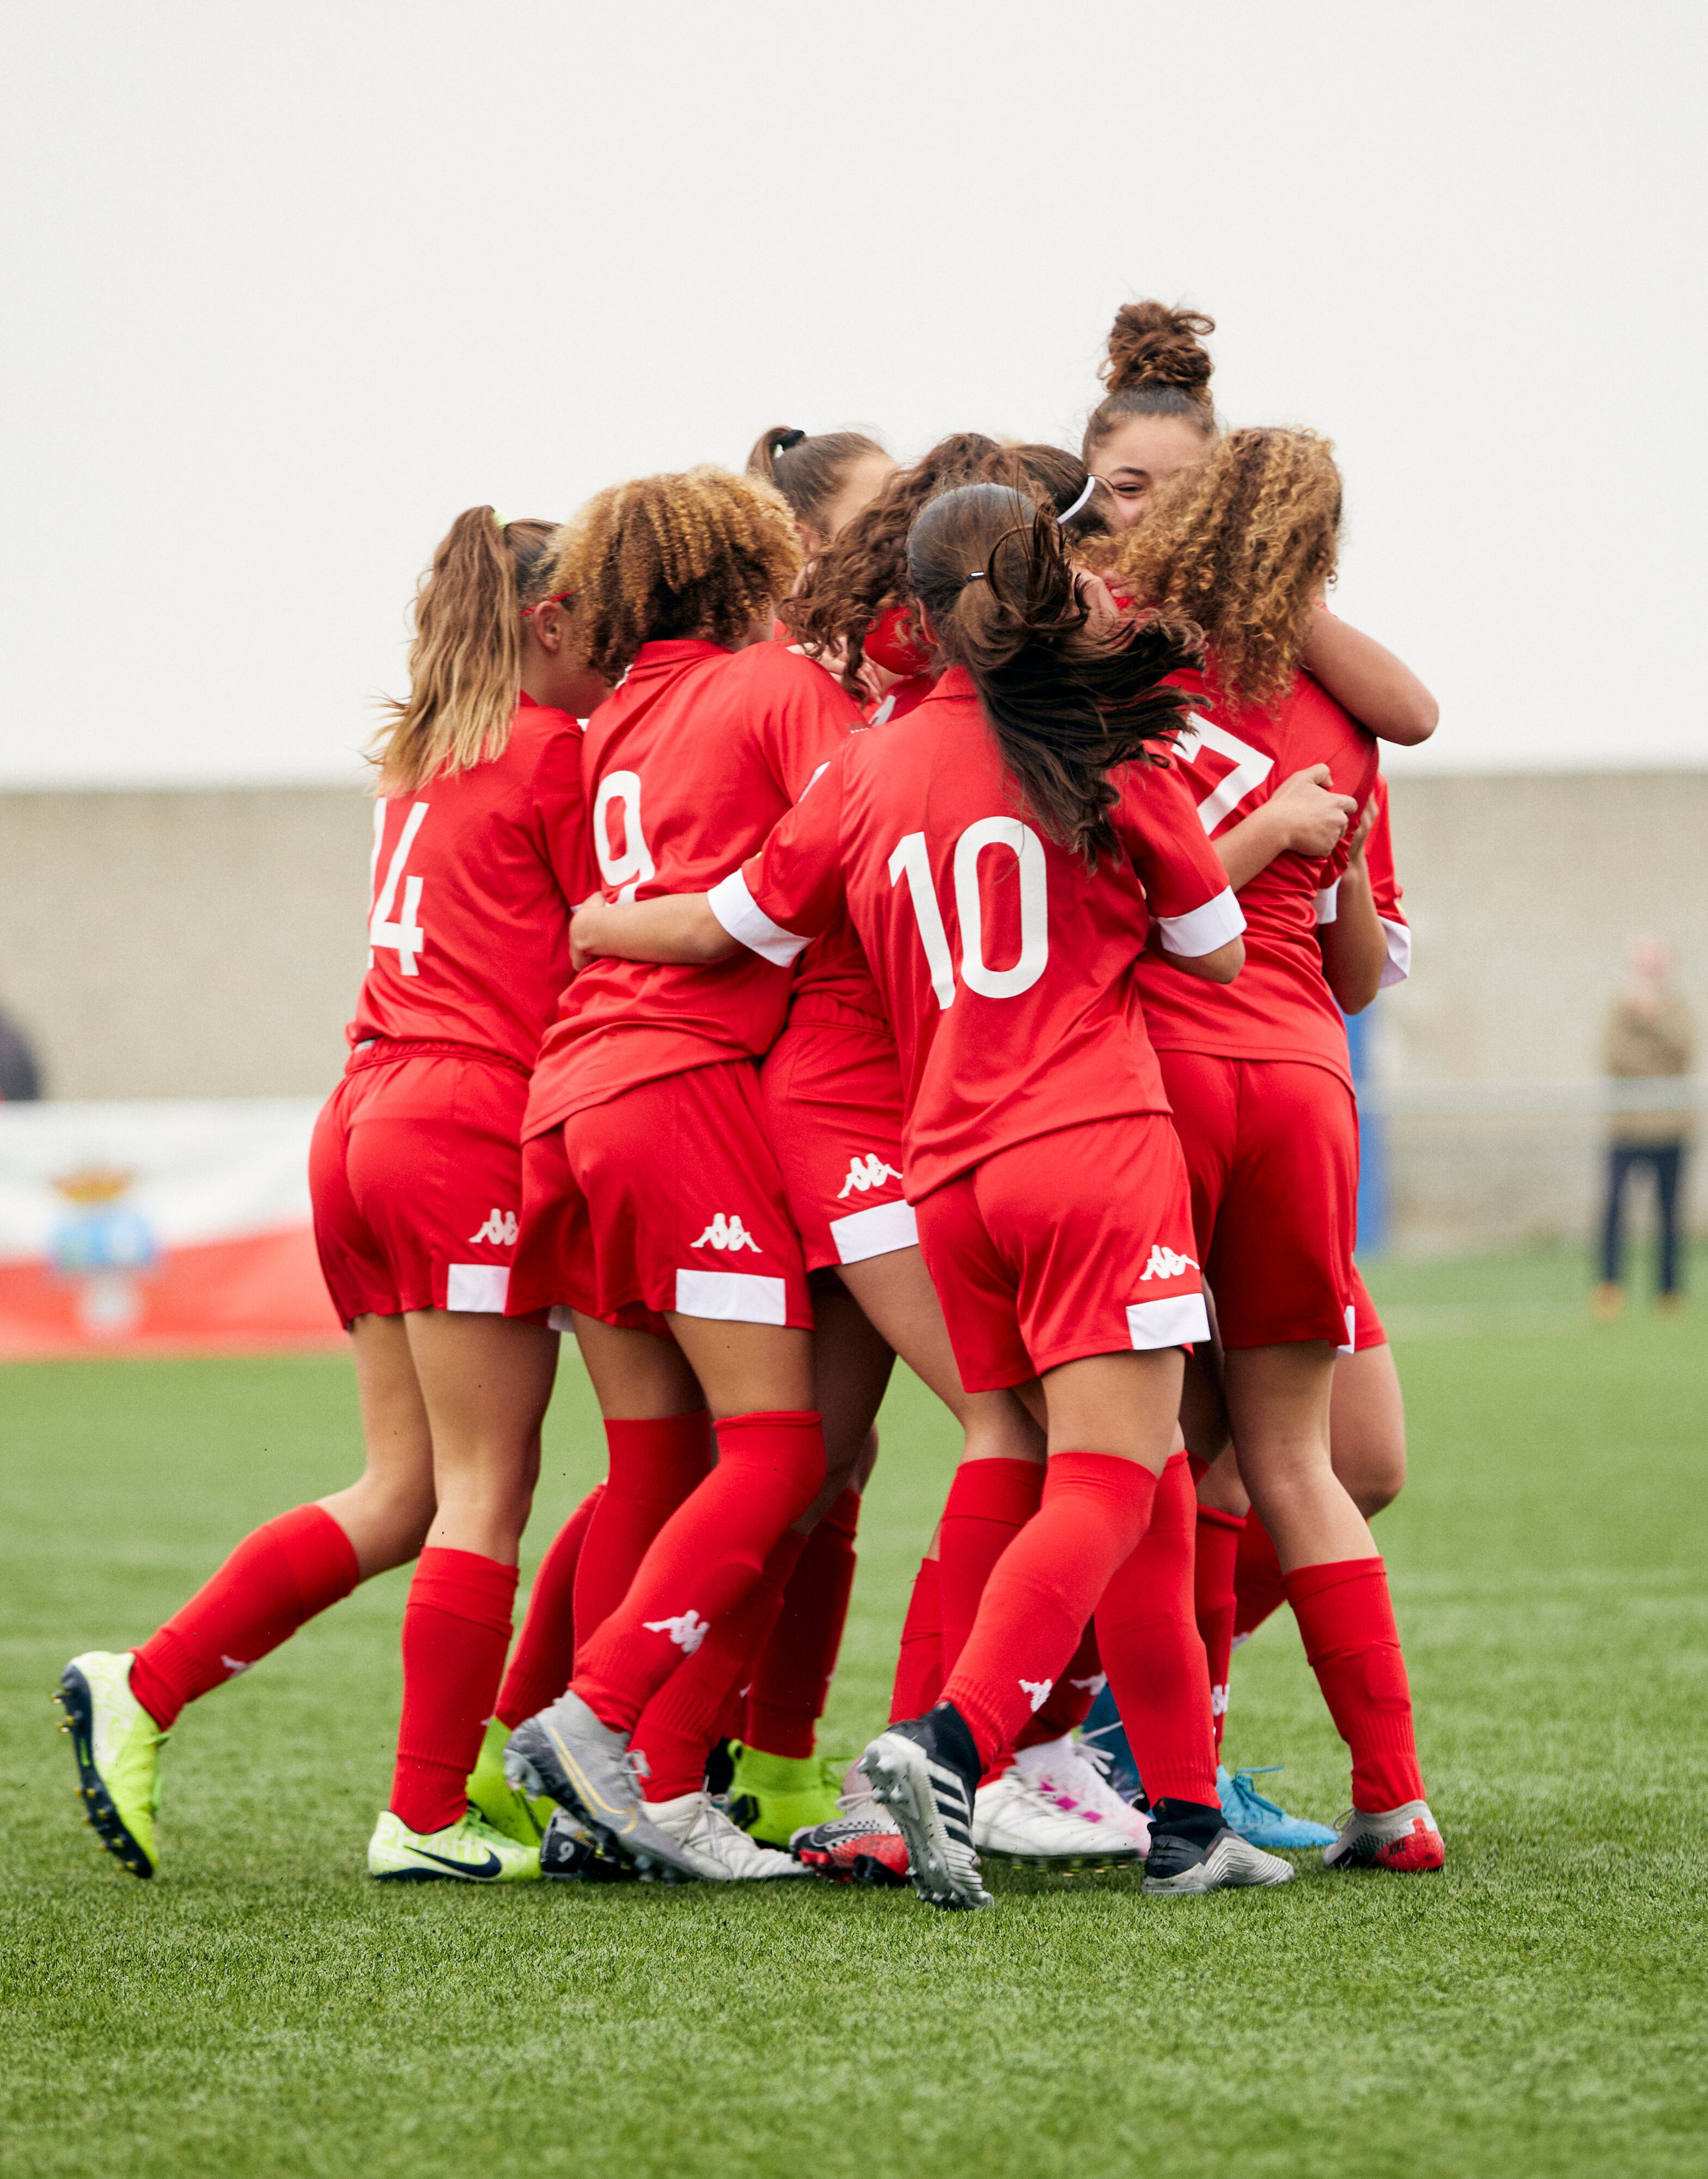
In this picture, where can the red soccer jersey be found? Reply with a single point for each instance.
(686, 769)
(473, 878)
(1004, 965)
(1280, 1005)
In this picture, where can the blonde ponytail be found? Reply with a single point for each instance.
(465, 663)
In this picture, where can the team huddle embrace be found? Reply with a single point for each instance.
(821, 914)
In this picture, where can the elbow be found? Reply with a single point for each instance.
(1413, 721)
(1224, 964)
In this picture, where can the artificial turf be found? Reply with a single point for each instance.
(262, 2008)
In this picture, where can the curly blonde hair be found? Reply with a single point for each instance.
(702, 554)
(1240, 543)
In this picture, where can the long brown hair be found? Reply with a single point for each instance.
(1066, 707)
(702, 553)
(809, 469)
(465, 663)
(1157, 365)
(863, 572)
(1241, 542)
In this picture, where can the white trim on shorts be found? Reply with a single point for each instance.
(877, 1231)
(479, 1289)
(735, 1297)
(1171, 1321)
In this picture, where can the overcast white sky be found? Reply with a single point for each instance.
(285, 288)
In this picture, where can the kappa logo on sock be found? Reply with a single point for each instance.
(687, 1631)
(500, 1229)
(1165, 1264)
(236, 1665)
(728, 1233)
(1039, 1692)
(866, 1173)
(1219, 1702)
(1092, 1686)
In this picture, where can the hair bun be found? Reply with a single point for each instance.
(1152, 345)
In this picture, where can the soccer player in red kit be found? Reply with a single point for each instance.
(1001, 885)
(1259, 1080)
(415, 1176)
(653, 1207)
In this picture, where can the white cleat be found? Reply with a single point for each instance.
(1015, 1820)
(1074, 1775)
(1181, 1867)
(566, 1754)
(1405, 1839)
(719, 1850)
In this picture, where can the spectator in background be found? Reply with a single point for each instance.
(20, 1077)
(1650, 1037)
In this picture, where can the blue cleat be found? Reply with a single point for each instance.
(1265, 1823)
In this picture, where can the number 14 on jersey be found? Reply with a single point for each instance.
(405, 934)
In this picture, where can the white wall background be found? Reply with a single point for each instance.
(285, 288)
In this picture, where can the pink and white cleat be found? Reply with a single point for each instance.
(1073, 1774)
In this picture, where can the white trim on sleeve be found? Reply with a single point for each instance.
(735, 1297)
(877, 1231)
(1328, 903)
(748, 923)
(1202, 929)
(1398, 966)
(1171, 1321)
(482, 1289)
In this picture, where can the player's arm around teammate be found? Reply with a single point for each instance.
(415, 1182)
(1262, 1088)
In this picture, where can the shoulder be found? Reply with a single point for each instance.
(772, 672)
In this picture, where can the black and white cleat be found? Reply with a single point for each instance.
(925, 1772)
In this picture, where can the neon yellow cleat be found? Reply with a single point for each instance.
(117, 1745)
(492, 1797)
(773, 1797)
(468, 1852)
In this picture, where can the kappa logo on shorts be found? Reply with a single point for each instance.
(1039, 1692)
(728, 1233)
(688, 1631)
(500, 1229)
(1165, 1264)
(866, 1173)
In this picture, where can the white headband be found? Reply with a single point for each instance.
(1068, 514)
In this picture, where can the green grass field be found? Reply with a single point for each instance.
(262, 2008)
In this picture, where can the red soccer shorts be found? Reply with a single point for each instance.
(1272, 1147)
(416, 1176)
(1075, 1243)
(833, 1111)
(667, 1198)
(1367, 1325)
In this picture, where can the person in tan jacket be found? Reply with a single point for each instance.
(1650, 1037)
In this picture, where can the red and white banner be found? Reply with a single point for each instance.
(158, 1228)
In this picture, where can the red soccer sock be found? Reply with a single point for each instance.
(455, 1631)
(793, 1676)
(282, 1575)
(919, 1668)
(989, 1502)
(1346, 1618)
(1260, 1587)
(654, 1466)
(1217, 1545)
(1071, 1696)
(544, 1654)
(1044, 1589)
(678, 1727)
(703, 1562)
(1155, 1659)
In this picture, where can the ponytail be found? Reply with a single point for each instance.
(465, 663)
(1066, 707)
(809, 471)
